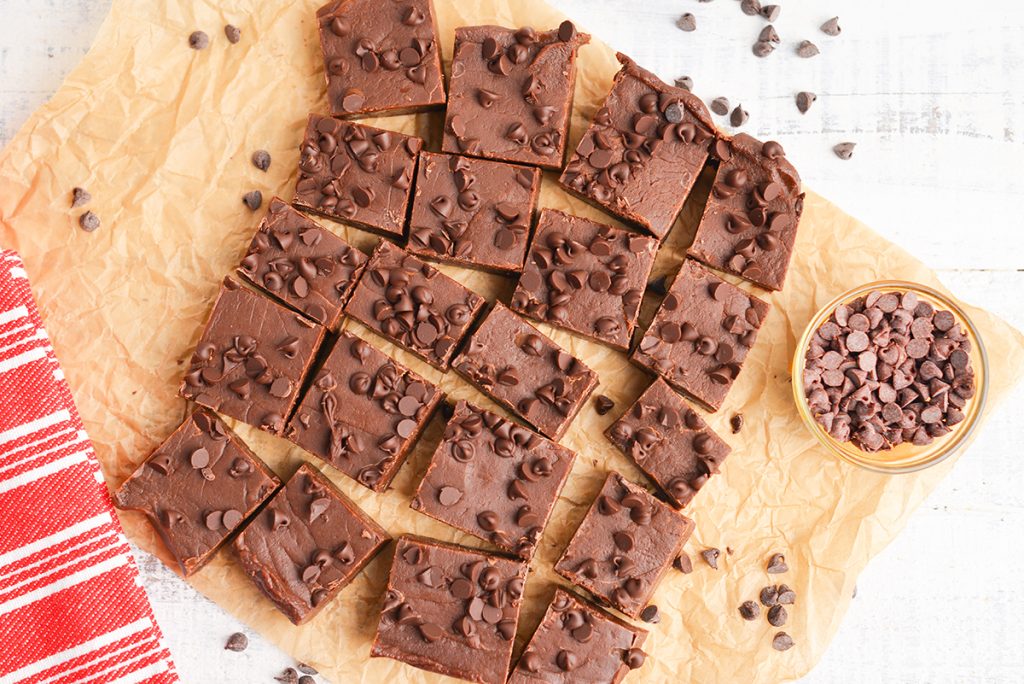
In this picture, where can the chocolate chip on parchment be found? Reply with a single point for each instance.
(782, 642)
(739, 116)
(650, 614)
(233, 33)
(687, 22)
(307, 669)
(710, 557)
(683, 564)
(237, 642)
(769, 596)
(261, 160)
(807, 49)
(684, 82)
(777, 616)
(777, 564)
(198, 40)
(89, 221)
(804, 100)
(771, 12)
(720, 106)
(253, 199)
(289, 676)
(79, 196)
(762, 48)
(736, 423)
(751, 7)
(831, 27)
(603, 404)
(844, 150)
(750, 610)
(786, 595)
(306, 679)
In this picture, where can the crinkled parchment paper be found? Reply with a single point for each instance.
(161, 136)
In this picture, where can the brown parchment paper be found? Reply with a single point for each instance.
(161, 136)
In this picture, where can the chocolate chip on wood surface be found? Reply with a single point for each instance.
(804, 100)
(807, 49)
(750, 610)
(89, 221)
(237, 642)
(777, 564)
(79, 196)
(736, 423)
(720, 106)
(782, 642)
(253, 199)
(684, 82)
(844, 150)
(687, 22)
(603, 404)
(198, 40)
(261, 160)
(683, 564)
(710, 557)
(739, 116)
(771, 12)
(777, 616)
(831, 27)
(233, 33)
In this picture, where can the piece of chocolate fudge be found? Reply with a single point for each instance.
(624, 545)
(643, 151)
(579, 642)
(307, 544)
(511, 93)
(303, 264)
(585, 277)
(357, 174)
(252, 358)
(701, 334)
(522, 369)
(197, 488)
(493, 478)
(413, 304)
(473, 212)
(750, 221)
(380, 57)
(363, 413)
(670, 442)
(451, 610)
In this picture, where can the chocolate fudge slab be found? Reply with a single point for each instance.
(252, 358)
(750, 221)
(586, 277)
(701, 334)
(450, 610)
(197, 488)
(356, 174)
(643, 152)
(380, 57)
(522, 369)
(624, 545)
(299, 262)
(670, 442)
(307, 544)
(579, 642)
(511, 92)
(414, 305)
(473, 212)
(363, 413)
(494, 479)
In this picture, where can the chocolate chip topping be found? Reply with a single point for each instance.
(710, 557)
(720, 106)
(684, 83)
(413, 304)
(807, 49)
(782, 642)
(888, 369)
(624, 545)
(253, 200)
(261, 160)
(749, 610)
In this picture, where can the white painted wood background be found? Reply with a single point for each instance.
(933, 93)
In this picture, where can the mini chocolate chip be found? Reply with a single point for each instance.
(683, 564)
(782, 642)
(720, 106)
(771, 12)
(253, 200)
(79, 196)
(89, 221)
(763, 48)
(237, 642)
(449, 496)
(844, 150)
(710, 557)
(687, 22)
(261, 160)
(750, 7)
(831, 27)
(198, 40)
(807, 49)
(650, 614)
(777, 564)
(603, 404)
(233, 33)
(739, 116)
(804, 100)
(769, 34)
(777, 616)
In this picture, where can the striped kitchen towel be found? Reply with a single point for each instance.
(71, 606)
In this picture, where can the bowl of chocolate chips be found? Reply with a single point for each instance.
(891, 376)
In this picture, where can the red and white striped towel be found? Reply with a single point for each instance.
(71, 607)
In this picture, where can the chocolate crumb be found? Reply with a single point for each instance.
(750, 610)
(603, 404)
(650, 614)
(771, 12)
(710, 557)
(261, 160)
(786, 595)
(89, 221)
(751, 7)
(684, 82)
(739, 116)
(769, 596)
(720, 106)
(198, 40)
(804, 100)
(777, 616)
(683, 564)
(782, 642)
(844, 150)
(289, 676)
(79, 196)
(253, 199)
(729, 550)
(233, 33)
(831, 27)
(807, 49)
(736, 423)
(777, 564)
(687, 22)
(307, 669)
(237, 642)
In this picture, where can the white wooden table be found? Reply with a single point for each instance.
(933, 93)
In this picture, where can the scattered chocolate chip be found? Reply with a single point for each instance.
(603, 404)
(307, 669)
(777, 564)
(769, 596)
(771, 12)
(710, 557)
(89, 221)
(650, 614)
(79, 196)
(844, 150)
(777, 616)
(750, 610)
(739, 116)
(683, 564)
(687, 22)
(751, 7)
(237, 642)
(807, 49)
(736, 423)
(233, 33)
(306, 679)
(261, 160)
(720, 106)
(804, 100)
(763, 48)
(831, 27)
(769, 35)
(289, 676)
(198, 40)
(253, 199)
(684, 82)
(786, 595)
(782, 642)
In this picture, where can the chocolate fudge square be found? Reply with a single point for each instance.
(306, 266)
(450, 610)
(493, 478)
(414, 305)
(624, 545)
(511, 93)
(750, 221)
(670, 442)
(522, 369)
(307, 545)
(380, 57)
(586, 277)
(701, 334)
(643, 151)
(197, 487)
(363, 413)
(252, 358)
(578, 642)
(356, 174)
(473, 212)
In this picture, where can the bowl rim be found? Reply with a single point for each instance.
(957, 443)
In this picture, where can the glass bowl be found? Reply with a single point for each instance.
(906, 457)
